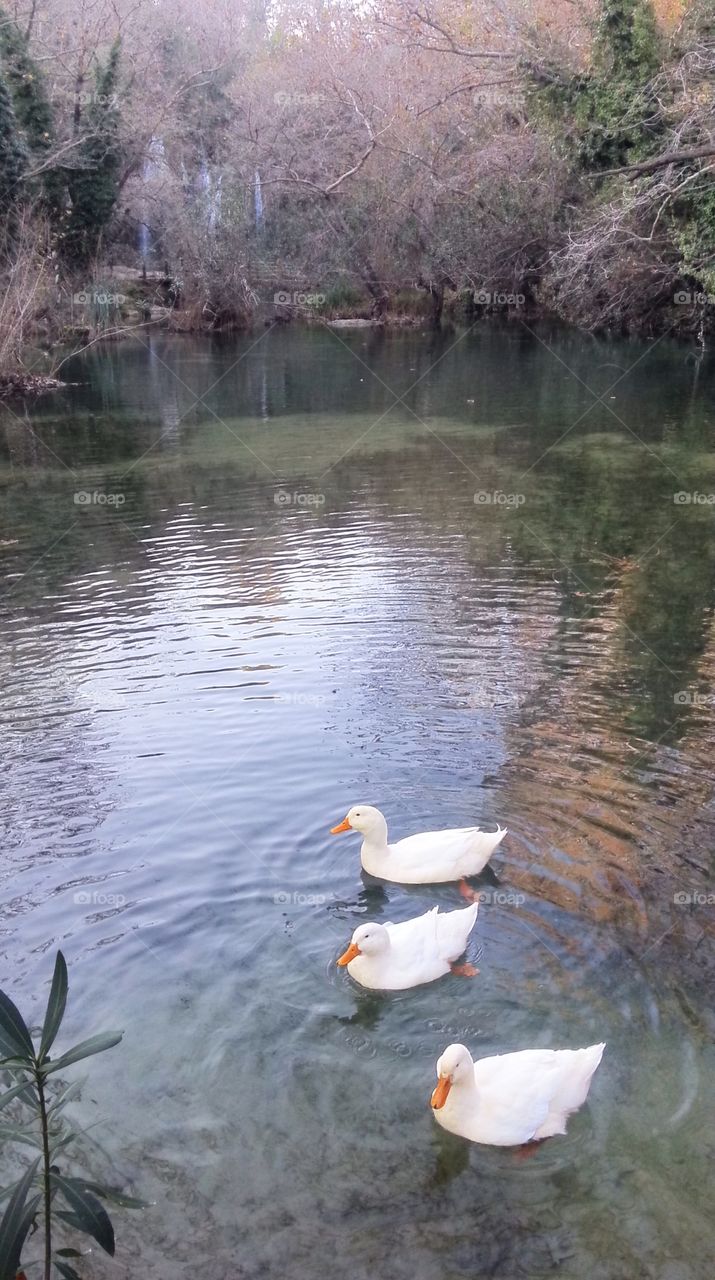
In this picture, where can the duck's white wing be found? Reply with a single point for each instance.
(426, 946)
(438, 853)
(575, 1072)
(417, 937)
(524, 1095)
(453, 930)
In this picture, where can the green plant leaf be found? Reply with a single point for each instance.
(91, 1214)
(7, 1191)
(55, 1005)
(16, 1222)
(16, 1092)
(115, 1195)
(70, 1218)
(61, 1143)
(15, 1039)
(96, 1044)
(67, 1271)
(68, 1253)
(70, 1092)
(8, 1134)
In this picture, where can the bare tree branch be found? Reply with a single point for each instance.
(659, 162)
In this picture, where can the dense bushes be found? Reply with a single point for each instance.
(378, 155)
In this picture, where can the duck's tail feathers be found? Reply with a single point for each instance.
(596, 1052)
(590, 1059)
(467, 915)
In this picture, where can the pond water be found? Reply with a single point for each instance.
(252, 581)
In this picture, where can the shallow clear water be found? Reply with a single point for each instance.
(296, 603)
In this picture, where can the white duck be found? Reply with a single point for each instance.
(392, 957)
(515, 1097)
(428, 858)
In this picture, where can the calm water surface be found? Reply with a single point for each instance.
(296, 603)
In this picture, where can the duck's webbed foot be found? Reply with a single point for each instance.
(528, 1149)
(466, 890)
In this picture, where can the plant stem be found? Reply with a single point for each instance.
(45, 1173)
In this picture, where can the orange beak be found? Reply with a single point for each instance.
(352, 951)
(342, 826)
(441, 1093)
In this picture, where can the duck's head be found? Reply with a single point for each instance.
(367, 940)
(364, 818)
(455, 1065)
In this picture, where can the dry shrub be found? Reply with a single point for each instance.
(28, 290)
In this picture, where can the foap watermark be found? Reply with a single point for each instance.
(303, 699)
(498, 498)
(284, 99)
(89, 98)
(286, 298)
(93, 498)
(297, 899)
(693, 898)
(98, 298)
(485, 298)
(686, 299)
(282, 498)
(695, 498)
(98, 898)
(689, 698)
(501, 897)
(492, 96)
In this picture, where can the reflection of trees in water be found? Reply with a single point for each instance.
(580, 684)
(582, 610)
(592, 549)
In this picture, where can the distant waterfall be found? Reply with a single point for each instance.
(150, 168)
(211, 191)
(258, 201)
(143, 241)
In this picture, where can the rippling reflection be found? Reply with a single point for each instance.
(198, 681)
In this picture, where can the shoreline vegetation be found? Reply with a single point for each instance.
(388, 164)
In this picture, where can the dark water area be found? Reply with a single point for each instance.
(466, 577)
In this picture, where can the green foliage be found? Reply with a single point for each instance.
(13, 155)
(342, 298)
(208, 114)
(692, 225)
(627, 44)
(94, 185)
(36, 1106)
(32, 107)
(610, 113)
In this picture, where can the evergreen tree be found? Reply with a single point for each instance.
(32, 108)
(611, 111)
(94, 185)
(13, 155)
(627, 41)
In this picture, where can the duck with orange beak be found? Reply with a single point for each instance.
(431, 857)
(515, 1098)
(393, 957)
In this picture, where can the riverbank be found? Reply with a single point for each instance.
(127, 300)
